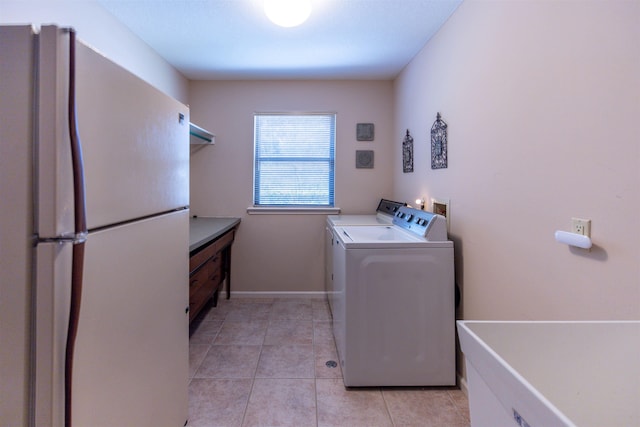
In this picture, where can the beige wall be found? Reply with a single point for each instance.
(98, 28)
(285, 252)
(542, 99)
(542, 102)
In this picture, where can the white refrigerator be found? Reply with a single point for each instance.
(122, 344)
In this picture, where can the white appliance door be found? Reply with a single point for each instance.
(338, 299)
(400, 325)
(51, 317)
(131, 357)
(16, 73)
(328, 262)
(54, 184)
(135, 142)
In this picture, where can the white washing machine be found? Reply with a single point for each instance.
(393, 302)
(384, 216)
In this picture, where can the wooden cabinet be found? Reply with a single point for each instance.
(209, 266)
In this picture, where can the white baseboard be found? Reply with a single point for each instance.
(463, 385)
(304, 295)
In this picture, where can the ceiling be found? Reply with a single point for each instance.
(233, 39)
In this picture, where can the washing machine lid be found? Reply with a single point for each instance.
(376, 237)
(384, 215)
(341, 220)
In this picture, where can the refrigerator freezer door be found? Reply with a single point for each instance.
(54, 183)
(136, 148)
(131, 358)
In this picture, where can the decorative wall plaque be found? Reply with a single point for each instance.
(364, 159)
(438, 144)
(364, 131)
(407, 153)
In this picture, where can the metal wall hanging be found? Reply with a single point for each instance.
(438, 144)
(407, 153)
(364, 131)
(364, 159)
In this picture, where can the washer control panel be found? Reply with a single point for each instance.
(389, 207)
(422, 223)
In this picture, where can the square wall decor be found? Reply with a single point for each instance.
(364, 159)
(364, 131)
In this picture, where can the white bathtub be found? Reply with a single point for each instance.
(546, 374)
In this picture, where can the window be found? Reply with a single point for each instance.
(294, 160)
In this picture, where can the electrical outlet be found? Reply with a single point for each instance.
(581, 226)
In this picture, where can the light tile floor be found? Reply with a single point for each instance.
(262, 362)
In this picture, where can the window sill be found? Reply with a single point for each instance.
(261, 210)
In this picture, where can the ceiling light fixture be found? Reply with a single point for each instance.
(287, 13)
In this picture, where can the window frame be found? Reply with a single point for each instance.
(295, 208)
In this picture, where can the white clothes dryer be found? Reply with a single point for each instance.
(393, 302)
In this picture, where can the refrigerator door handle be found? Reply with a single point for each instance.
(80, 210)
(80, 216)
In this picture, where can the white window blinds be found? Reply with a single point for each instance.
(294, 160)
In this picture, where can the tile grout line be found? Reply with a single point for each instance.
(315, 367)
(255, 371)
(386, 407)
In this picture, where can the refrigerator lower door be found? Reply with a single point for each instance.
(50, 317)
(16, 213)
(131, 357)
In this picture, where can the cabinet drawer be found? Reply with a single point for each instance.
(214, 264)
(198, 280)
(225, 240)
(198, 300)
(207, 272)
(198, 259)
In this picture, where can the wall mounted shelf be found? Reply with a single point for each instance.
(200, 136)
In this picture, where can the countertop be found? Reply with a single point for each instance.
(203, 230)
